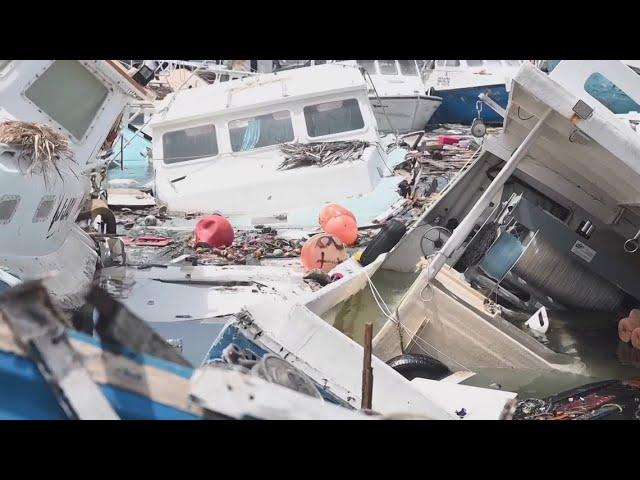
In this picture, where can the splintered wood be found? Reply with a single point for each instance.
(320, 153)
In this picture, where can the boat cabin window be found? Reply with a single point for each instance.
(368, 65)
(450, 63)
(44, 208)
(70, 94)
(189, 144)
(408, 67)
(137, 120)
(8, 206)
(609, 94)
(261, 131)
(388, 67)
(474, 63)
(333, 117)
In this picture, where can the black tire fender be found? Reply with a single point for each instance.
(411, 366)
(384, 241)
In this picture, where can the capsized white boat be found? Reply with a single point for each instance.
(547, 216)
(38, 210)
(218, 147)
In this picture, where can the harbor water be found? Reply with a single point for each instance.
(590, 337)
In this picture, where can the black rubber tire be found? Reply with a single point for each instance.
(384, 241)
(411, 366)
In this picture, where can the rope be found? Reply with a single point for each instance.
(384, 308)
(384, 110)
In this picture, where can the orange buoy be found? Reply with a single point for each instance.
(333, 210)
(627, 325)
(635, 338)
(215, 231)
(322, 251)
(344, 227)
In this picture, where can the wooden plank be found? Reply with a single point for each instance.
(129, 197)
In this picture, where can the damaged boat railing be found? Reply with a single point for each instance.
(490, 103)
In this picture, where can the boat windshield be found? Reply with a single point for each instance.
(609, 94)
(70, 94)
(474, 63)
(368, 65)
(261, 131)
(189, 144)
(333, 117)
(388, 67)
(408, 67)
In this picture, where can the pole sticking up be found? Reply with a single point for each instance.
(466, 225)
(367, 371)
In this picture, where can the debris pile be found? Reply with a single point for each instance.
(610, 399)
(249, 246)
(160, 89)
(153, 239)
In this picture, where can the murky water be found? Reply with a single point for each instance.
(362, 308)
(590, 337)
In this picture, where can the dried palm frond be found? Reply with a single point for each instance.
(321, 153)
(38, 143)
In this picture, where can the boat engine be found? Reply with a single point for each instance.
(533, 249)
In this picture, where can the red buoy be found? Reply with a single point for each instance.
(344, 227)
(322, 251)
(635, 338)
(627, 325)
(333, 210)
(215, 231)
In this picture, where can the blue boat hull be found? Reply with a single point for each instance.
(25, 395)
(459, 105)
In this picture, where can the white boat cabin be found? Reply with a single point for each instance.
(82, 100)
(394, 77)
(397, 94)
(217, 148)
